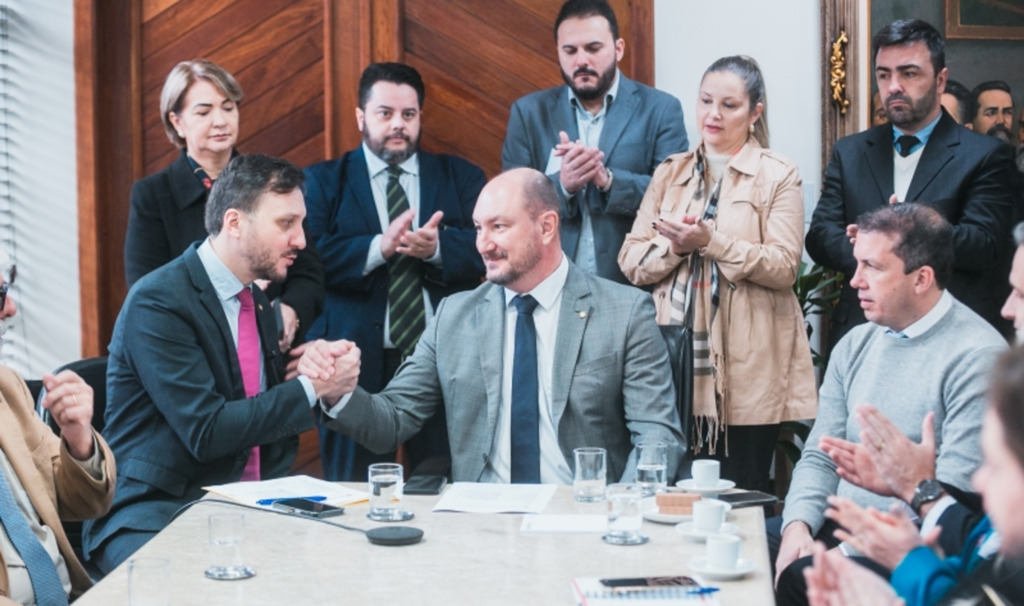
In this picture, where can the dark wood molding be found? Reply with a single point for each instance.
(108, 150)
(641, 39)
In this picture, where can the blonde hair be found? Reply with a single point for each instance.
(753, 82)
(181, 79)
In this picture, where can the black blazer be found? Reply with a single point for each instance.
(167, 215)
(177, 417)
(965, 176)
(343, 220)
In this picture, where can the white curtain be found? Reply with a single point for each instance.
(38, 205)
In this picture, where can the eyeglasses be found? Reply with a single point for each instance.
(6, 285)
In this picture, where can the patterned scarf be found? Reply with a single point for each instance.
(701, 289)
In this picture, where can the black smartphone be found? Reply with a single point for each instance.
(678, 581)
(425, 484)
(308, 508)
(748, 498)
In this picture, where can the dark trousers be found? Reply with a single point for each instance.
(748, 461)
(792, 587)
(344, 460)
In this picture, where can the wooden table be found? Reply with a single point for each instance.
(463, 559)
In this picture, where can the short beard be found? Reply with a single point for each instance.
(915, 113)
(604, 83)
(999, 131)
(391, 156)
(518, 270)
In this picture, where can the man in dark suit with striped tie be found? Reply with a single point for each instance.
(394, 227)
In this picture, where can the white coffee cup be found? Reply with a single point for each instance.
(723, 551)
(708, 515)
(705, 473)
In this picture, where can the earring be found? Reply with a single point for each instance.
(182, 135)
(751, 129)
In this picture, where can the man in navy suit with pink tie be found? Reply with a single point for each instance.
(394, 227)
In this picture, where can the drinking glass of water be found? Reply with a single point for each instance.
(651, 466)
(625, 517)
(227, 533)
(386, 488)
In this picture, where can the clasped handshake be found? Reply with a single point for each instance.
(332, 366)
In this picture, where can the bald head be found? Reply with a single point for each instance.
(516, 219)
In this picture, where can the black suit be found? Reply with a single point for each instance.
(965, 176)
(166, 216)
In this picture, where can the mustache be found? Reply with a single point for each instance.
(401, 136)
(584, 71)
(1000, 131)
(495, 256)
(898, 97)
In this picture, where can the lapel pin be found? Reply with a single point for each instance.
(260, 306)
(583, 314)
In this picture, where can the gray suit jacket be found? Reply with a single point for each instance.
(655, 131)
(612, 385)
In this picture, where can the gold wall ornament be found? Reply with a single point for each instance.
(838, 72)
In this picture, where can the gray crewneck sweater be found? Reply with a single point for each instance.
(944, 370)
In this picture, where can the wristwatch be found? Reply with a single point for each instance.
(927, 491)
(608, 186)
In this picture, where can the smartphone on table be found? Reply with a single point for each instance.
(308, 508)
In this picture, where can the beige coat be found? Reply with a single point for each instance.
(58, 488)
(757, 244)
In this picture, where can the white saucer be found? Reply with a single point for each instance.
(649, 507)
(687, 530)
(691, 486)
(700, 566)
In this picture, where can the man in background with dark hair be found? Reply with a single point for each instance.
(923, 155)
(922, 351)
(394, 228)
(992, 110)
(196, 394)
(956, 100)
(598, 138)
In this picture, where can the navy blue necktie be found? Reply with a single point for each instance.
(41, 570)
(525, 409)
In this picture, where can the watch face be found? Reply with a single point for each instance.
(929, 490)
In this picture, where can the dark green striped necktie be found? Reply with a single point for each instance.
(405, 286)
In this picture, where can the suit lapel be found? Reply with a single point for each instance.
(357, 180)
(573, 318)
(429, 176)
(185, 188)
(213, 308)
(490, 320)
(619, 113)
(878, 156)
(562, 116)
(939, 152)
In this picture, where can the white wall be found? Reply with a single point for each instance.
(43, 239)
(689, 35)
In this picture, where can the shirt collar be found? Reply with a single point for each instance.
(610, 96)
(377, 166)
(546, 293)
(224, 282)
(922, 135)
(930, 319)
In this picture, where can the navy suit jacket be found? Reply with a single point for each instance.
(342, 220)
(177, 418)
(167, 216)
(965, 176)
(643, 126)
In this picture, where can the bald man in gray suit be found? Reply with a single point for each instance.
(603, 376)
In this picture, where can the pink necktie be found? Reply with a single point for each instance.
(249, 362)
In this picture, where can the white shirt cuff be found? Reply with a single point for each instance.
(936, 511)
